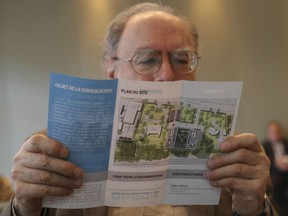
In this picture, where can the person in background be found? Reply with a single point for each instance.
(145, 42)
(276, 148)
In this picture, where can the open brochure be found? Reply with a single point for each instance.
(140, 143)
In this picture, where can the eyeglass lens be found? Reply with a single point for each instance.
(149, 61)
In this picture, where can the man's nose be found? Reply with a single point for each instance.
(166, 72)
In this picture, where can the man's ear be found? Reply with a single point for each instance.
(110, 67)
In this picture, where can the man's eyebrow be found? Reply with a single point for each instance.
(141, 49)
(184, 49)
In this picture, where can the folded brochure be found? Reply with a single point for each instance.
(140, 143)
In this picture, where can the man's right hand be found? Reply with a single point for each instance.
(39, 169)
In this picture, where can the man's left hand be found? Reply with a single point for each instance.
(243, 169)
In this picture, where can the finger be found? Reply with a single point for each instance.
(239, 170)
(239, 184)
(35, 176)
(240, 156)
(28, 191)
(39, 143)
(248, 141)
(48, 163)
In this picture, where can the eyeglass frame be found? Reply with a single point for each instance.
(192, 53)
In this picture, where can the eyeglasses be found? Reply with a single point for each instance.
(148, 61)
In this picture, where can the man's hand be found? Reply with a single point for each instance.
(39, 169)
(243, 169)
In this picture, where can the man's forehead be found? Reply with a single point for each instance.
(154, 17)
(143, 28)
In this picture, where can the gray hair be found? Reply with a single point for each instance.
(118, 25)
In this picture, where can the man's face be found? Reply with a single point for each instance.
(152, 31)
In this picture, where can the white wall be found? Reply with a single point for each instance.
(240, 40)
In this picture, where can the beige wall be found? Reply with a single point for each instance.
(240, 40)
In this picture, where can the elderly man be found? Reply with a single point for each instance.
(145, 42)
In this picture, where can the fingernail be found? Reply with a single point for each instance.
(224, 145)
(78, 172)
(78, 183)
(64, 152)
(209, 163)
